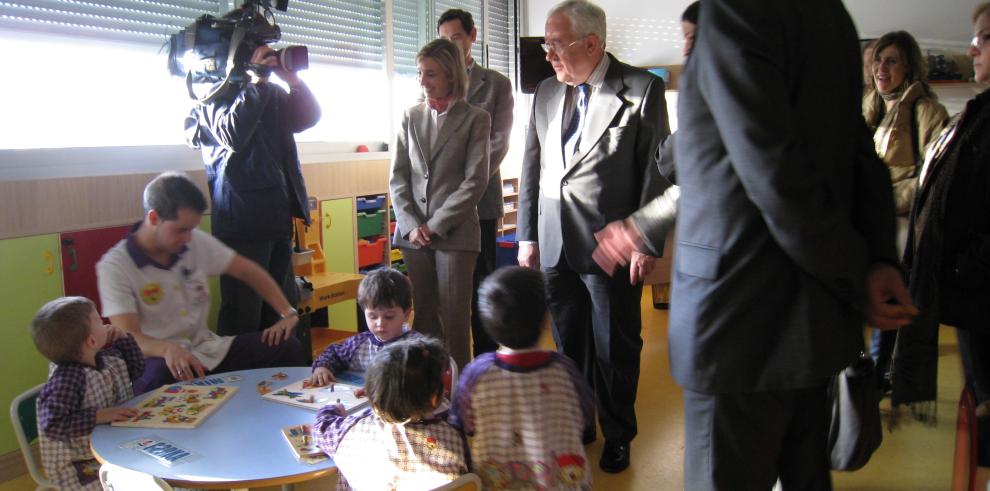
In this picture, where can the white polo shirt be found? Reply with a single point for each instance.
(173, 302)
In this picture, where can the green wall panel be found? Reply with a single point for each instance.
(31, 271)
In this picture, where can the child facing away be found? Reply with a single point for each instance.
(386, 297)
(90, 375)
(526, 408)
(403, 441)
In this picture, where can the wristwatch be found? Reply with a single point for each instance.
(291, 313)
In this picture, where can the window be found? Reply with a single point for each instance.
(91, 74)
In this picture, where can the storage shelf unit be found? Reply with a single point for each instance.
(510, 206)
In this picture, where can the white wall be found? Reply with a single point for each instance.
(647, 33)
(934, 23)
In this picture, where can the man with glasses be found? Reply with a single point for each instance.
(492, 92)
(589, 160)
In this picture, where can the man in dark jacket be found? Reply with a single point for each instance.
(256, 182)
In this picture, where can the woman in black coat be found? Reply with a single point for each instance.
(948, 249)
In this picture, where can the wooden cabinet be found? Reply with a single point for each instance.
(81, 250)
(339, 239)
(32, 275)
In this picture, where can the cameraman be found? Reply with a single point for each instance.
(255, 180)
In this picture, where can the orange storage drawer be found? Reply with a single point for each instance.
(371, 252)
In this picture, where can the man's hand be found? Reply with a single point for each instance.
(888, 302)
(420, 236)
(321, 376)
(183, 364)
(280, 331)
(640, 267)
(529, 255)
(617, 244)
(111, 414)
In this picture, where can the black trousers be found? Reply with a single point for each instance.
(483, 343)
(745, 441)
(596, 323)
(241, 309)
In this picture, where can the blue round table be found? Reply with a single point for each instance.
(239, 446)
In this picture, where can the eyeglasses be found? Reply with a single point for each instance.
(556, 47)
(980, 40)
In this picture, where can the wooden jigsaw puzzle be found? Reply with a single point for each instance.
(303, 394)
(179, 406)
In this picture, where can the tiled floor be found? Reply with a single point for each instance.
(913, 457)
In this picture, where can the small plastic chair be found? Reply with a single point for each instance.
(24, 417)
(964, 462)
(454, 376)
(467, 482)
(117, 478)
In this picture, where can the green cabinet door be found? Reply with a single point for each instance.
(337, 222)
(31, 271)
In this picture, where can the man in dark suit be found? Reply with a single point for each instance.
(785, 239)
(492, 92)
(589, 160)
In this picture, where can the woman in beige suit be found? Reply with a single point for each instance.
(439, 173)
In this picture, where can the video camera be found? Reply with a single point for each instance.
(216, 51)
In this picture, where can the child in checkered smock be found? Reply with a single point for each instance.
(86, 384)
(403, 442)
(525, 408)
(386, 297)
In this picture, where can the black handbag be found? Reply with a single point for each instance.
(855, 430)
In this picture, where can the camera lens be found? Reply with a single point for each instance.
(293, 58)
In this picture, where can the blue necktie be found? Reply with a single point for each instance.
(572, 137)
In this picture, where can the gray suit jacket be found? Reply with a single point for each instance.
(610, 177)
(782, 206)
(440, 184)
(492, 92)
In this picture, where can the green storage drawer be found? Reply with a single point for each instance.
(371, 223)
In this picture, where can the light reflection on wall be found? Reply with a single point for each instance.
(645, 41)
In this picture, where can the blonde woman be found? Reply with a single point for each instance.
(905, 117)
(439, 173)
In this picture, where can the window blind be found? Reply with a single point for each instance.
(141, 21)
(410, 31)
(501, 37)
(337, 32)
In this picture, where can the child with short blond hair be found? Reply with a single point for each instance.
(90, 375)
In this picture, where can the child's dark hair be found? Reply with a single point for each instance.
(385, 287)
(60, 328)
(512, 303)
(405, 379)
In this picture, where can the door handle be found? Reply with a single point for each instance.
(326, 221)
(49, 262)
(71, 251)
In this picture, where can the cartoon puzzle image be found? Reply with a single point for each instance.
(302, 394)
(179, 406)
